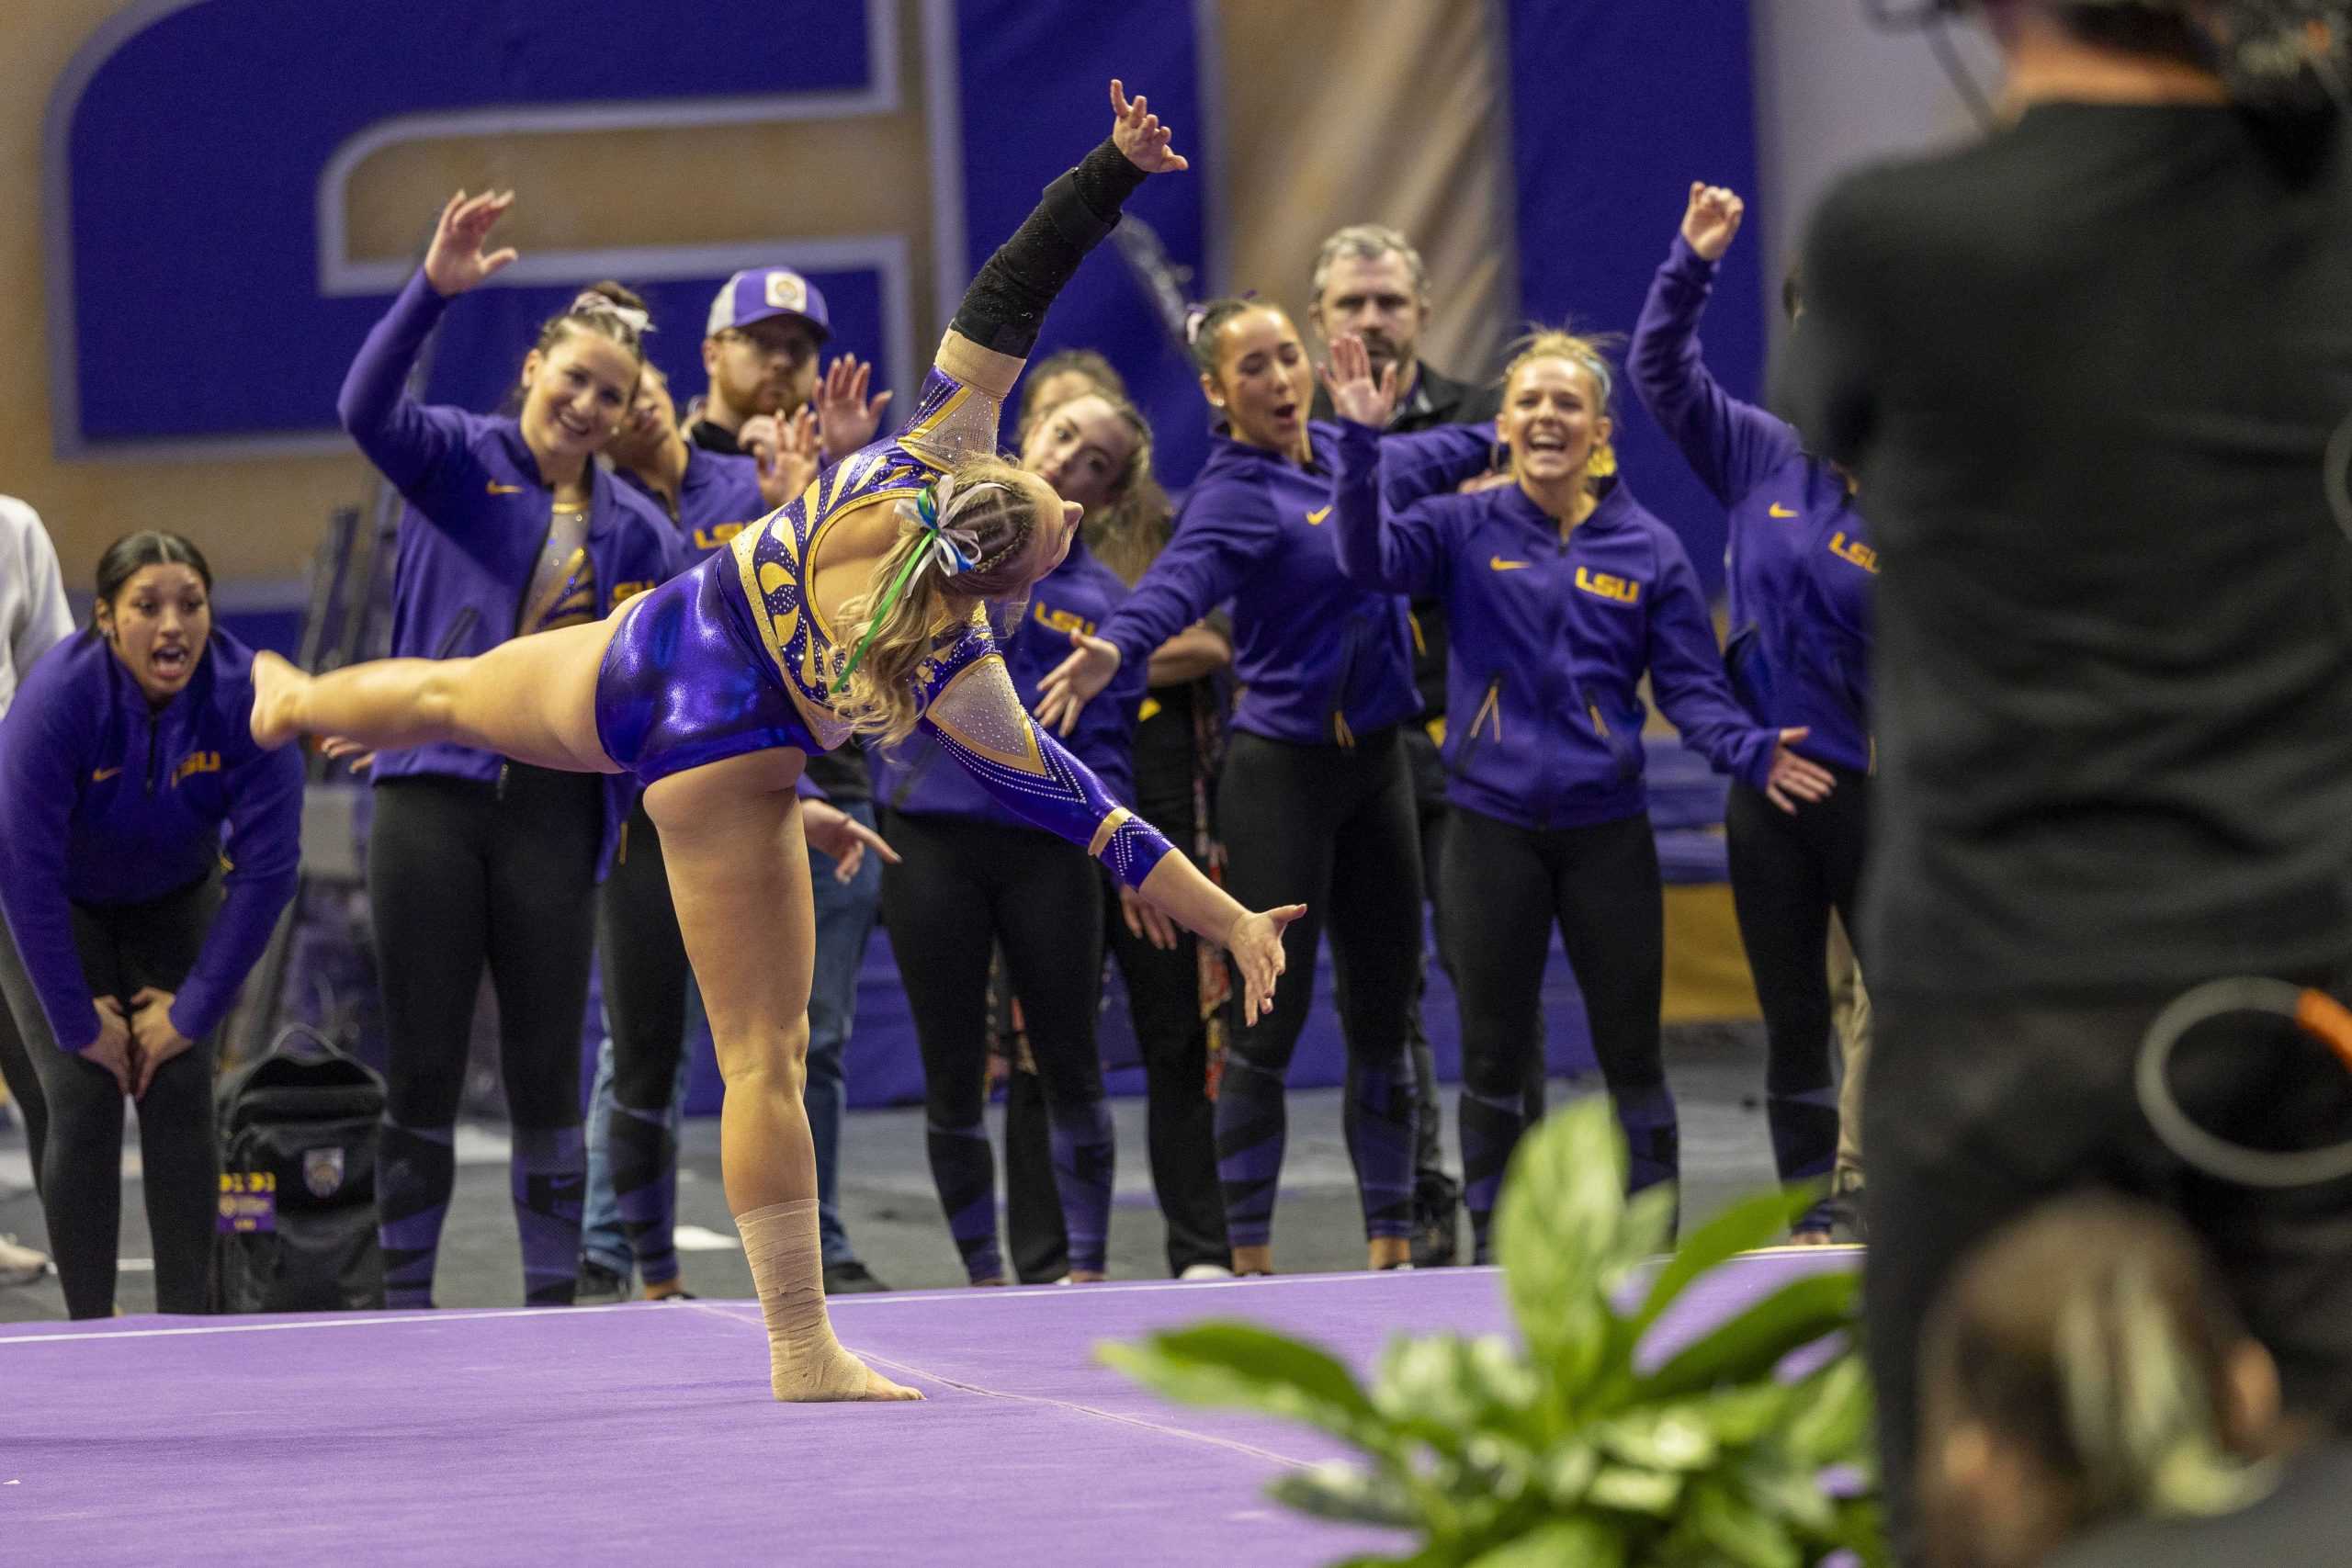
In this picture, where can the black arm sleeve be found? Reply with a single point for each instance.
(1003, 307)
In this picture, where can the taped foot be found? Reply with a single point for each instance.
(830, 1377)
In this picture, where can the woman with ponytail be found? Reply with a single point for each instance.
(478, 857)
(861, 606)
(2092, 377)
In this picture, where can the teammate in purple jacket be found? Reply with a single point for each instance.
(976, 876)
(1802, 577)
(122, 760)
(1316, 793)
(1562, 593)
(475, 858)
(861, 606)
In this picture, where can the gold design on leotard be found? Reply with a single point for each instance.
(773, 577)
(980, 710)
(1103, 832)
(965, 426)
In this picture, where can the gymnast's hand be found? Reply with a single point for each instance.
(1712, 219)
(1793, 778)
(1140, 135)
(111, 1049)
(1256, 944)
(455, 264)
(785, 450)
(1356, 396)
(1076, 681)
(833, 832)
(843, 416)
(159, 1039)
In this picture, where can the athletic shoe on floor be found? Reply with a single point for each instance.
(20, 1265)
(1197, 1271)
(851, 1278)
(599, 1285)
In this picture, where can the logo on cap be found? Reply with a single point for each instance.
(788, 291)
(323, 1172)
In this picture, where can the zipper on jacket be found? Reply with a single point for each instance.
(150, 754)
(1340, 733)
(1491, 708)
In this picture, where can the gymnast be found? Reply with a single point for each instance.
(862, 607)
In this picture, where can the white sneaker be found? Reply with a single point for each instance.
(20, 1265)
(1197, 1271)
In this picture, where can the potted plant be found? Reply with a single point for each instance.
(1579, 1446)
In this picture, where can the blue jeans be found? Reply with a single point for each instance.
(601, 1240)
(845, 913)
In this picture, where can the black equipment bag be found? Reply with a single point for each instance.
(297, 1231)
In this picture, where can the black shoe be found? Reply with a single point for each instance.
(1436, 1230)
(851, 1278)
(599, 1285)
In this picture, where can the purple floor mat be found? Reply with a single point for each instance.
(604, 1433)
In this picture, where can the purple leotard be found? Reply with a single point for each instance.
(733, 657)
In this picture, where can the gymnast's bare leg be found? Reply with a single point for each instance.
(738, 874)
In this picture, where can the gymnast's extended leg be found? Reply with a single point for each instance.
(739, 875)
(533, 699)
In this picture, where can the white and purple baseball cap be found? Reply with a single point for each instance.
(763, 292)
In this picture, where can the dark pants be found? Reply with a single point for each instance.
(961, 889)
(1164, 989)
(1787, 872)
(15, 1067)
(646, 979)
(463, 874)
(1505, 886)
(124, 948)
(1977, 1114)
(1332, 828)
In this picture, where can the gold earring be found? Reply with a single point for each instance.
(1603, 463)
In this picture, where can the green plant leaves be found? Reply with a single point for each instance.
(1753, 1343)
(1345, 1492)
(1239, 1364)
(1559, 1221)
(1563, 1451)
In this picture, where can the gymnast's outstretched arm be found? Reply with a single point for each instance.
(996, 325)
(973, 711)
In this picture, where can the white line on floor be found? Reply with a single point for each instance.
(324, 1320)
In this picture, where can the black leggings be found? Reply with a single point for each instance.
(1787, 872)
(461, 874)
(645, 969)
(15, 1067)
(1504, 887)
(645, 982)
(123, 948)
(963, 888)
(1332, 828)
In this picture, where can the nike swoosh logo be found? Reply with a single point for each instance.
(1315, 519)
(102, 774)
(1501, 565)
(497, 489)
(1777, 509)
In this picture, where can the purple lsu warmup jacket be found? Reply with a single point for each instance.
(1320, 660)
(476, 518)
(1802, 570)
(1550, 639)
(108, 801)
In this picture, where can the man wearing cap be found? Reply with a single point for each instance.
(766, 330)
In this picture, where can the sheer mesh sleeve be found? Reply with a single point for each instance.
(971, 709)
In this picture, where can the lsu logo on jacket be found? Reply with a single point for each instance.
(1608, 585)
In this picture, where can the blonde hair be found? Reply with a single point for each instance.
(993, 517)
(1589, 352)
